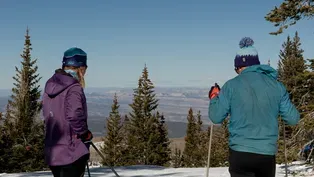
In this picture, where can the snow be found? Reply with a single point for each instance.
(295, 169)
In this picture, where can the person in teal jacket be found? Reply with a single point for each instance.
(253, 99)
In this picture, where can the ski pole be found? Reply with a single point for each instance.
(103, 157)
(209, 148)
(88, 169)
(211, 130)
(285, 149)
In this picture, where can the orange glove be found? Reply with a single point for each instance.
(214, 91)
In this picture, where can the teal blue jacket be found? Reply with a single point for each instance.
(254, 99)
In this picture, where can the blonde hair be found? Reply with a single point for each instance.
(79, 71)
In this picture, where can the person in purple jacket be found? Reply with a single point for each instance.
(65, 116)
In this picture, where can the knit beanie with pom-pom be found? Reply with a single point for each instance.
(247, 55)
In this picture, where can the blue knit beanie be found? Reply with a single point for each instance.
(247, 55)
(74, 57)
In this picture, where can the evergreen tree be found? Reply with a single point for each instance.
(126, 157)
(5, 146)
(22, 115)
(144, 132)
(199, 122)
(125, 122)
(189, 158)
(113, 147)
(289, 12)
(5, 143)
(303, 132)
(283, 63)
(202, 142)
(291, 63)
(196, 142)
(8, 122)
(291, 69)
(177, 158)
(151, 141)
(136, 130)
(219, 149)
(293, 74)
(286, 74)
(308, 88)
(161, 146)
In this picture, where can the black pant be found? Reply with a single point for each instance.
(244, 164)
(76, 169)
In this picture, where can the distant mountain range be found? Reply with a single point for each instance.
(174, 103)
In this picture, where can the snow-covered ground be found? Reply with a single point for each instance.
(155, 171)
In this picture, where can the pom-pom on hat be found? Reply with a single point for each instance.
(247, 55)
(74, 57)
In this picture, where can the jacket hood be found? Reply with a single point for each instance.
(58, 83)
(264, 69)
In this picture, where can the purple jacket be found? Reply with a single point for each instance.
(65, 114)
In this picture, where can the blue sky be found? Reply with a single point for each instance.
(183, 42)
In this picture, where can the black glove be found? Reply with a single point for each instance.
(87, 136)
